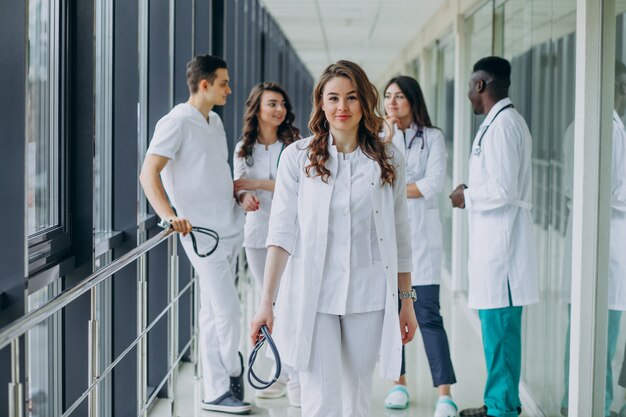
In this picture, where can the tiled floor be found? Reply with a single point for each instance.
(462, 326)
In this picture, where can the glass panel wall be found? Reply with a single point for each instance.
(538, 38)
(443, 117)
(615, 393)
(479, 39)
(42, 141)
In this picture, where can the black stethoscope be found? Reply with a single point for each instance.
(249, 158)
(253, 379)
(478, 148)
(418, 134)
(203, 230)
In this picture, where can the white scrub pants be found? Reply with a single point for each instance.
(219, 316)
(256, 264)
(344, 352)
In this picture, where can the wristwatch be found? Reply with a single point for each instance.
(407, 294)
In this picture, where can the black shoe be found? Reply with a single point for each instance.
(474, 412)
(227, 403)
(236, 382)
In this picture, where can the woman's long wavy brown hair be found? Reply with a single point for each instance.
(369, 126)
(287, 132)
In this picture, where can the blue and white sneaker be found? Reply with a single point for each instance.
(397, 398)
(227, 403)
(446, 407)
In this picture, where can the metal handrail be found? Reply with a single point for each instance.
(33, 318)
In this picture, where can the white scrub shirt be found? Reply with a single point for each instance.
(425, 157)
(264, 167)
(498, 201)
(197, 178)
(353, 280)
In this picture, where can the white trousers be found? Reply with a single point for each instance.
(219, 316)
(256, 264)
(344, 351)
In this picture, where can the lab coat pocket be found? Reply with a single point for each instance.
(489, 240)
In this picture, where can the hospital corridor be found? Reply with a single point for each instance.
(420, 205)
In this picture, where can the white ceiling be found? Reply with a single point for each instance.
(372, 33)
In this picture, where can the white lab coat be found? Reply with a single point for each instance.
(498, 201)
(299, 224)
(425, 167)
(617, 238)
(265, 167)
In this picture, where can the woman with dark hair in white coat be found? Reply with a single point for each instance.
(338, 230)
(409, 127)
(267, 129)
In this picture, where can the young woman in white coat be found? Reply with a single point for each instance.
(339, 232)
(409, 128)
(267, 129)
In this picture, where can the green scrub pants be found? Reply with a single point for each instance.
(502, 343)
(615, 317)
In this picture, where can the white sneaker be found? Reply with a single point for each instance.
(446, 407)
(277, 390)
(397, 398)
(293, 393)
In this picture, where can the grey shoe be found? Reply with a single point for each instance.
(236, 382)
(227, 403)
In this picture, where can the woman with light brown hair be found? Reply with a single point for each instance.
(267, 129)
(339, 232)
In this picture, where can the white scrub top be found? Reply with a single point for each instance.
(353, 280)
(617, 238)
(197, 178)
(299, 223)
(498, 201)
(264, 167)
(425, 153)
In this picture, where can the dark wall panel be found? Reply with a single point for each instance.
(80, 123)
(12, 159)
(158, 62)
(12, 134)
(125, 154)
(202, 27)
(183, 43)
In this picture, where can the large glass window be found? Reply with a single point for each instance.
(443, 117)
(615, 393)
(538, 38)
(41, 121)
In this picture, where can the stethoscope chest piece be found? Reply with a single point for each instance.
(249, 159)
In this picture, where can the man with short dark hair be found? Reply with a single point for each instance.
(187, 162)
(502, 266)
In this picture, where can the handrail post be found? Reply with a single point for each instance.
(172, 248)
(142, 345)
(94, 347)
(16, 390)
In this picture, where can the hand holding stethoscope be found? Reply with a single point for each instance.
(261, 330)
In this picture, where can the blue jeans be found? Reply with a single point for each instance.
(434, 335)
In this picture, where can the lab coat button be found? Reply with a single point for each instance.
(376, 211)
